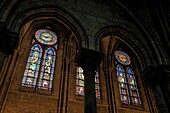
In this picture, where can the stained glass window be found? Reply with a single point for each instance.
(80, 83)
(126, 79)
(47, 70)
(32, 67)
(122, 84)
(122, 57)
(41, 62)
(135, 98)
(46, 37)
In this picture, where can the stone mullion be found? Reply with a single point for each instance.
(109, 91)
(62, 89)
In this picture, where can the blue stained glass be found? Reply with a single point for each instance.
(80, 90)
(129, 70)
(126, 79)
(46, 37)
(123, 88)
(30, 74)
(32, 70)
(119, 68)
(133, 87)
(47, 69)
(122, 57)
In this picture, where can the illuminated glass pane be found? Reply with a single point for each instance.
(80, 90)
(122, 57)
(126, 79)
(45, 36)
(47, 70)
(80, 83)
(125, 99)
(122, 84)
(133, 87)
(32, 67)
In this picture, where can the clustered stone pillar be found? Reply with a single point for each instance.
(165, 73)
(89, 61)
(9, 42)
(155, 79)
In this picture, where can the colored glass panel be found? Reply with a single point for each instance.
(47, 70)
(126, 79)
(80, 83)
(135, 98)
(46, 37)
(32, 67)
(122, 57)
(122, 84)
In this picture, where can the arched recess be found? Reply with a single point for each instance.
(52, 14)
(119, 33)
(108, 41)
(64, 29)
(27, 23)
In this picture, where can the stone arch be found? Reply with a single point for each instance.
(21, 17)
(138, 48)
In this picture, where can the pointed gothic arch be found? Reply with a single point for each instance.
(123, 35)
(109, 41)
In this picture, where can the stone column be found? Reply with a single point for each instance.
(89, 60)
(164, 71)
(153, 79)
(9, 42)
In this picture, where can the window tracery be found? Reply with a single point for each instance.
(41, 62)
(128, 88)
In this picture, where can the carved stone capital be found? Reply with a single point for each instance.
(9, 40)
(88, 59)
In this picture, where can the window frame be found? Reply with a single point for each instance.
(132, 66)
(44, 47)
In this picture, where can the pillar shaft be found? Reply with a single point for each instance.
(155, 78)
(159, 99)
(90, 98)
(89, 61)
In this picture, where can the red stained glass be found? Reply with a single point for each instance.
(80, 83)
